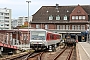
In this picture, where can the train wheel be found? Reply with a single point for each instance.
(54, 48)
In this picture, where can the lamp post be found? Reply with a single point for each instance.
(28, 18)
(28, 13)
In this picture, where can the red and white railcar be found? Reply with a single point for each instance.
(43, 39)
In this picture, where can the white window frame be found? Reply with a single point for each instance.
(58, 27)
(46, 26)
(67, 27)
(84, 17)
(73, 27)
(80, 17)
(50, 17)
(82, 27)
(78, 27)
(63, 27)
(65, 17)
(57, 17)
(73, 17)
(76, 17)
(37, 26)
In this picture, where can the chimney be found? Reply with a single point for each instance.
(57, 6)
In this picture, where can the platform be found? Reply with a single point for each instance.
(83, 51)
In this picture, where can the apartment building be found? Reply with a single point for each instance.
(5, 18)
(22, 20)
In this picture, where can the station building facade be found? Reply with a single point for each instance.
(73, 20)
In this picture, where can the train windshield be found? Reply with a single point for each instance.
(38, 35)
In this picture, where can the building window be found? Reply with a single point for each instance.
(6, 17)
(78, 27)
(58, 27)
(63, 27)
(46, 26)
(80, 17)
(76, 17)
(73, 27)
(67, 27)
(1, 25)
(1, 17)
(50, 17)
(8, 25)
(57, 17)
(82, 27)
(73, 17)
(1, 20)
(84, 17)
(37, 26)
(65, 17)
(6, 13)
(1, 13)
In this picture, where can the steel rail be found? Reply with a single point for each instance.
(59, 54)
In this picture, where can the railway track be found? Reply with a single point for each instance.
(26, 56)
(36, 56)
(21, 56)
(65, 54)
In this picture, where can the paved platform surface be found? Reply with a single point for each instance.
(83, 51)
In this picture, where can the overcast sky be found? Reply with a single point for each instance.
(20, 7)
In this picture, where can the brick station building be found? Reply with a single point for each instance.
(72, 19)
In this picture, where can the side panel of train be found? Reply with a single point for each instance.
(44, 40)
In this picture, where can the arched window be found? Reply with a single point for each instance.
(50, 17)
(57, 17)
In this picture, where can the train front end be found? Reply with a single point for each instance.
(38, 40)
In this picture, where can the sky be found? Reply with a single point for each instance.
(20, 7)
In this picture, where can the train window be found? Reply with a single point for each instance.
(48, 37)
(52, 36)
(38, 35)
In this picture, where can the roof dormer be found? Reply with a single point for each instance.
(79, 12)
